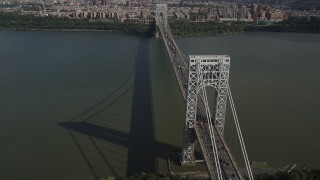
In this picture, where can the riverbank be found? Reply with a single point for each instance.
(212, 28)
(63, 30)
(298, 25)
(179, 28)
(14, 21)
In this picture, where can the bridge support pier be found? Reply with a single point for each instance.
(188, 157)
(157, 34)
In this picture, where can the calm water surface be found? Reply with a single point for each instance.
(86, 105)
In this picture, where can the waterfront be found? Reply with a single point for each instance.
(68, 100)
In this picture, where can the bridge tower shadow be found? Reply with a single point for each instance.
(94, 124)
(141, 157)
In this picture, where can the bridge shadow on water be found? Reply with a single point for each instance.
(104, 125)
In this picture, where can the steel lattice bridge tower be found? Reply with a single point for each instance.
(204, 84)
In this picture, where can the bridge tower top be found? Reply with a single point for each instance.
(161, 15)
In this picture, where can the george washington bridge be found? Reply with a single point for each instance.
(204, 84)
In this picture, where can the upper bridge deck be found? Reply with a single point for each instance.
(180, 65)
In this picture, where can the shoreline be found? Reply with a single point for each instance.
(62, 30)
(74, 30)
(146, 35)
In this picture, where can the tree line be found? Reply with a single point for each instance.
(186, 28)
(181, 28)
(313, 174)
(305, 25)
(16, 21)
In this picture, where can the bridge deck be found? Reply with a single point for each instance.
(228, 167)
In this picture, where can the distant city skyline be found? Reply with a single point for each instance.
(140, 11)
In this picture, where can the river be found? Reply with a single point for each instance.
(87, 105)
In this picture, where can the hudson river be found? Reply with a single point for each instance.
(87, 105)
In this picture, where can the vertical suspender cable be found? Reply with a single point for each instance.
(243, 148)
(212, 138)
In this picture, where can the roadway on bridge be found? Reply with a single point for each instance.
(228, 167)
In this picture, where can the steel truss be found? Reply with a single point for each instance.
(205, 70)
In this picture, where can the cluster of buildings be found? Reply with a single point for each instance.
(102, 10)
(141, 11)
(228, 12)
